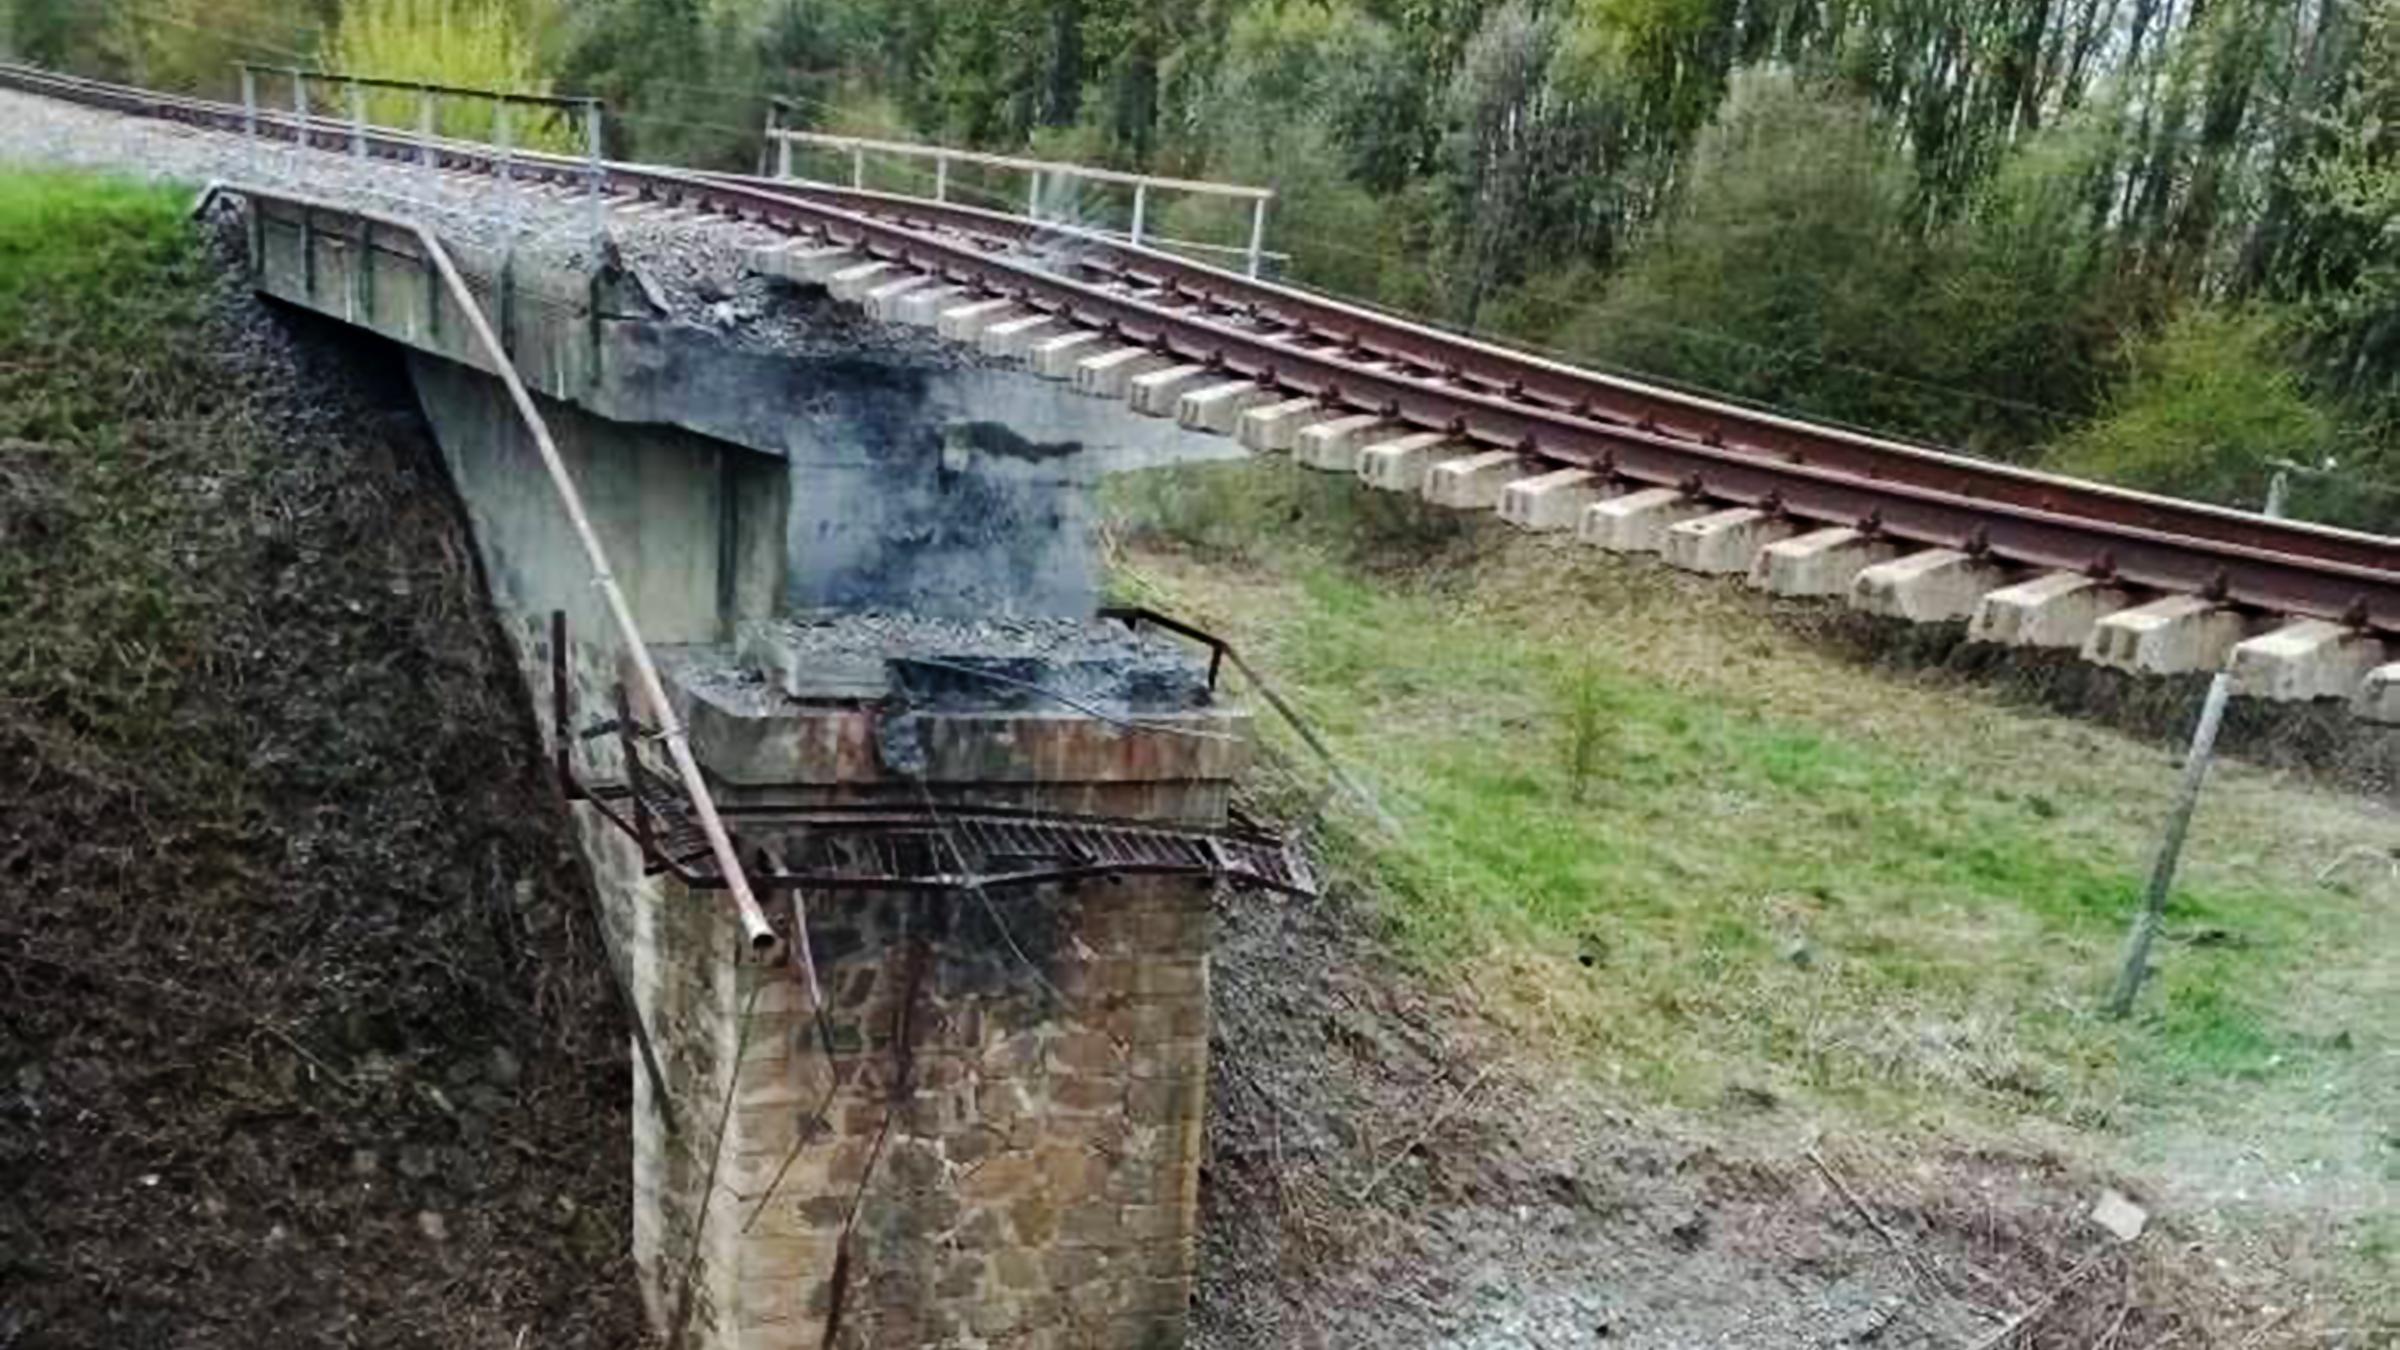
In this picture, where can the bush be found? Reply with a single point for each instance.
(2207, 409)
(471, 44)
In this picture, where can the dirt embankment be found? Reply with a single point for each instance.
(305, 1035)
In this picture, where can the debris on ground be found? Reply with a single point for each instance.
(1385, 1168)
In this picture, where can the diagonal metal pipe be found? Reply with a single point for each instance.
(759, 934)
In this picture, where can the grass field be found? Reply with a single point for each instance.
(1724, 868)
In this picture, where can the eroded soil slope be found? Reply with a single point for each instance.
(305, 1035)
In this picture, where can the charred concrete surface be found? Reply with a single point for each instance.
(921, 478)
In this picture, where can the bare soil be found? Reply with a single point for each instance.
(305, 1035)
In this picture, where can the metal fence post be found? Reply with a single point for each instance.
(783, 154)
(599, 174)
(941, 178)
(1033, 195)
(858, 166)
(250, 117)
(1141, 207)
(1258, 235)
(2146, 921)
(299, 116)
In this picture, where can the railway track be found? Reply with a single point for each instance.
(2141, 582)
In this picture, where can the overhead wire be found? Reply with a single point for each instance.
(1588, 309)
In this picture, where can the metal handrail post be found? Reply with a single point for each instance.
(592, 134)
(1033, 195)
(427, 119)
(250, 117)
(1141, 203)
(858, 166)
(299, 118)
(358, 121)
(1258, 236)
(941, 178)
(504, 136)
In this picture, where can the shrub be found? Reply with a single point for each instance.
(2206, 410)
(471, 44)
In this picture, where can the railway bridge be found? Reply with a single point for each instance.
(826, 455)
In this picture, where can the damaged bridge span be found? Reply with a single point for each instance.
(844, 484)
(2145, 584)
(995, 814)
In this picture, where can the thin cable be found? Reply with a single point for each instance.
(903, 1050)
(1571, 309)
(2338, 478)
(716, 1155)
(1588, 309)
(941, 831)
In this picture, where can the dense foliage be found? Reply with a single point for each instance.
(1976, 221)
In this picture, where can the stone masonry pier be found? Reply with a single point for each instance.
(994, 1138)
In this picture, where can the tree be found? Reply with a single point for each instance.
(2022, 304)
(2349, 194)
(1296, 82)
(1525, 150)
(1787, 268)
(469, 44)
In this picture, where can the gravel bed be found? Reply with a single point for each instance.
(1056, 639)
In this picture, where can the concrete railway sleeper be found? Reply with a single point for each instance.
(2140, 583)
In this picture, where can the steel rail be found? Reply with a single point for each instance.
(1431, 353)
(1418, 377)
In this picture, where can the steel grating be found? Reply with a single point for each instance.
(955, 849)
(933, 848)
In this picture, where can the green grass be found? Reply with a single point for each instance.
(1895, 903)
(68, 244)
(90, 270)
